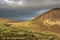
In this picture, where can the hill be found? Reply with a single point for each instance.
(12, 24)
(49, 21)
(5, 20)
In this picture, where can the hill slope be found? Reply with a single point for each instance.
(12, 25)
(48, 21)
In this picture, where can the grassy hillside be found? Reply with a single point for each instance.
(48, 21)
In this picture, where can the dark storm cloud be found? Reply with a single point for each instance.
(15, 12)
(21, 14)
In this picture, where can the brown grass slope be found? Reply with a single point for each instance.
(49, 21)
(5, 20)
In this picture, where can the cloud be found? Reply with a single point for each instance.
(11, 3)
(20, 14)
(15, 0)
(31, 3)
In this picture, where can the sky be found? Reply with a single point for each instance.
(23, 10)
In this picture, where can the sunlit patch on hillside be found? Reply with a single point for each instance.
(49, 22)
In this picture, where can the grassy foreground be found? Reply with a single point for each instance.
(24, 33)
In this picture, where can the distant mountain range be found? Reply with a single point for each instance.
(48, 21)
